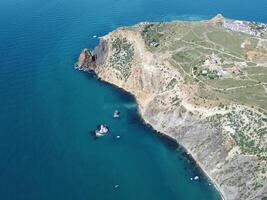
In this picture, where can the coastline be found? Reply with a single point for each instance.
(165, 135)
(169, 103)
(187, 152)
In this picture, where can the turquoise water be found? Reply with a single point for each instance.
(47, 108)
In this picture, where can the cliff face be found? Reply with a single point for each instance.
(163, 94)
(86, 61)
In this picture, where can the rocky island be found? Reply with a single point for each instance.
(203, 83)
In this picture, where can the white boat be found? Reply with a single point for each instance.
(101, 131)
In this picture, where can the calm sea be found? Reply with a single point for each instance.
(47, 108)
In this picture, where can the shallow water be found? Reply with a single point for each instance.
(47, 108)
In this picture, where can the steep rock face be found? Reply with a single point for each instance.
(162, 105)
(86, 61)
(100, 53)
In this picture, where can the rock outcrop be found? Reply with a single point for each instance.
(161, 92)
(86, 61)
(89, 60)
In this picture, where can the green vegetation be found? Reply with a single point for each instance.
(152, 35)
(247, 128)
(229, 76)
(172, 84)
(215, 60)
(205, 73)
(228, 41)
(253, 96)
(187, 56)
(230, 83)
(212, 75)
(122, 58)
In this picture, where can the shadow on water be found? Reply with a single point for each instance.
(191, 167)
(46, 109)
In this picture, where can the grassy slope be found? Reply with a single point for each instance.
(191, 42)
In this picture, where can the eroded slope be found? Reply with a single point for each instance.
(202, 83)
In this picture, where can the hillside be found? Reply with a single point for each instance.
(203, 83)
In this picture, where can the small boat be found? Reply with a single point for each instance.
(94, 36)
(101, 131)
(116, 114)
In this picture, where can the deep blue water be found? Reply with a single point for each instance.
(47, 108)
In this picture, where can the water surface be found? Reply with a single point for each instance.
(47, 108)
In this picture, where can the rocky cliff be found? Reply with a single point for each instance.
(169, 101)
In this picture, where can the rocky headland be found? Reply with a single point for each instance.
(202, 83)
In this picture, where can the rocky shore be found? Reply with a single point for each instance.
(123, 58)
